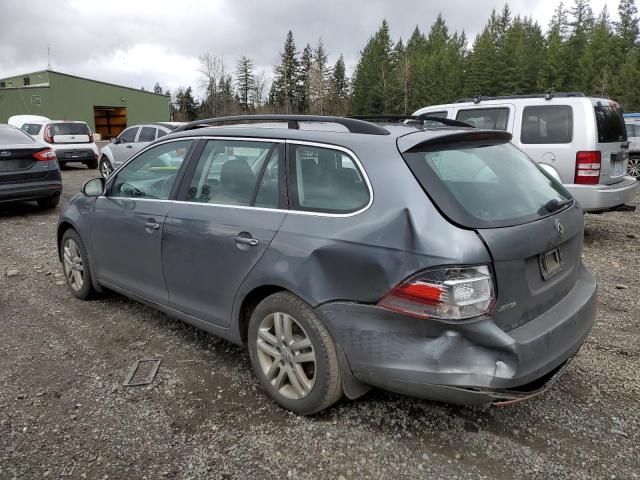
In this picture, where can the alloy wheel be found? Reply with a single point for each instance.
(73, 266)
(633, 167)
(105, 168)
(286, 355)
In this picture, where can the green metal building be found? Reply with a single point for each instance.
(107, 108)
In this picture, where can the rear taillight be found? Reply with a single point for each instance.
(47, 134)
(449, 293)
(588, 168)
(45, 155)
(90, 136)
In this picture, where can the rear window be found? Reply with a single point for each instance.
(69, 129)
(486, 185)
(610, 121)
(547, 124)
(13, 136)
(32, 128)
(486, 118)
(633, 130)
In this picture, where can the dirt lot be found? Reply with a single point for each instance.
(64, 413)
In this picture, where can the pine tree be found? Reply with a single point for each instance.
(319, 79)
(580, 25)
(157, 88)
(595, 65)
(552, 75)
(627, 28)
(372, 80)
(339, 89)
(481, 66)
(244, 82)
(285, 89)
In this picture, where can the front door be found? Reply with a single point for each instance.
(123, 148)
(127, 222)
(226, 221)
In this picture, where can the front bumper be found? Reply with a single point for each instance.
(467, 363)
(29, 191)
(596, 198)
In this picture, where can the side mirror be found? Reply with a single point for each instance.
(93, 187)
(113, 140)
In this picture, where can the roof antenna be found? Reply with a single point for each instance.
(49, 57)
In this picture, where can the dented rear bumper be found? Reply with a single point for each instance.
(471, 362)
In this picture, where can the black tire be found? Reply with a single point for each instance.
(86, 292)
(633, 166)
(49, 202)
(92, 164)
(105, 165)
(327, 386)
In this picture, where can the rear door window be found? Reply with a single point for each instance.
(486, 185)
(547, 124)
(161, 133)
(610, 121)
(32, 128)
(326, 180)
(489, 118)
(147, 134)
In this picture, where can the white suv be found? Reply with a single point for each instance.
(71, 140)
(580, 141)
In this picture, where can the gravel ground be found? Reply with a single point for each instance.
(64, 413)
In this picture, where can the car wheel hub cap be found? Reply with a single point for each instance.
(72, 264)
(286, 355)
(634, 167)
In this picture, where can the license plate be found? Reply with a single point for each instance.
(550, 263)
(72, 155)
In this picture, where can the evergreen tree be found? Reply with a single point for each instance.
(580, 25)
(627, 28)
(552, 74)
(285, 89)
(306, 64)
(244, 82)
(339, 89)
(157, 88)
(481, 67)
(595, 65)
(185, 104)
(319, 79)
(372, 88)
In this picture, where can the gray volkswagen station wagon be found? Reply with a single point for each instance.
(433, 260)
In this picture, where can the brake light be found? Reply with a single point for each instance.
(588, 168)
(45, 155)
(47, 134)
(449, 293)
(90, 136)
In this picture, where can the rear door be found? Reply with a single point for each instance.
(145, 136)
(231, 208)
(70, 132)
(611, 141)
(17, 161)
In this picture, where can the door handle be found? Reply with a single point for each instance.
(129, 146)
(252, 242)
(152, 224)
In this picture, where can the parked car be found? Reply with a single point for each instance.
(581, 141)
(436, 262)
(28, 169)
(71, 140)
(632, 122)
(130, 142)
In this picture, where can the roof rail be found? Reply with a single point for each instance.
(411, 119)
(293, 122)
(547, 96)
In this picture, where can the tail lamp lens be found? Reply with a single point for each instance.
(47, 134)
(45, 155)
(588, 168)
(449, 293)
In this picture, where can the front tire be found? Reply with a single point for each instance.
(633, 167)
(75, 264)
(105, 167)
(293, 355)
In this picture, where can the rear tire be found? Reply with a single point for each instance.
(633, 167)
(105, 167)
(293, 355)
(92, 164)
(49, 202)
(75, 265)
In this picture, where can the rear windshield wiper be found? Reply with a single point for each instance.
(554, 205)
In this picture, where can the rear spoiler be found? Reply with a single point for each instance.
(433, 140)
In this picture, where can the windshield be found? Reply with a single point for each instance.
(69, 129)
(486, 186)
(611, 127)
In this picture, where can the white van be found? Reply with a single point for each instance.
(581, 141)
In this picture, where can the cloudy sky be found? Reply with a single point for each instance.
(137, 43)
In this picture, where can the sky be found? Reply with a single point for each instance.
(138, 42)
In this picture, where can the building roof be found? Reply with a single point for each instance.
(73, 76)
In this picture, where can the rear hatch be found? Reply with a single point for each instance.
(17, 161)
(70, 132)
(528, 221)
(612, 141)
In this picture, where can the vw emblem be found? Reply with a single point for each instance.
(560, 229)
(5, 154)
